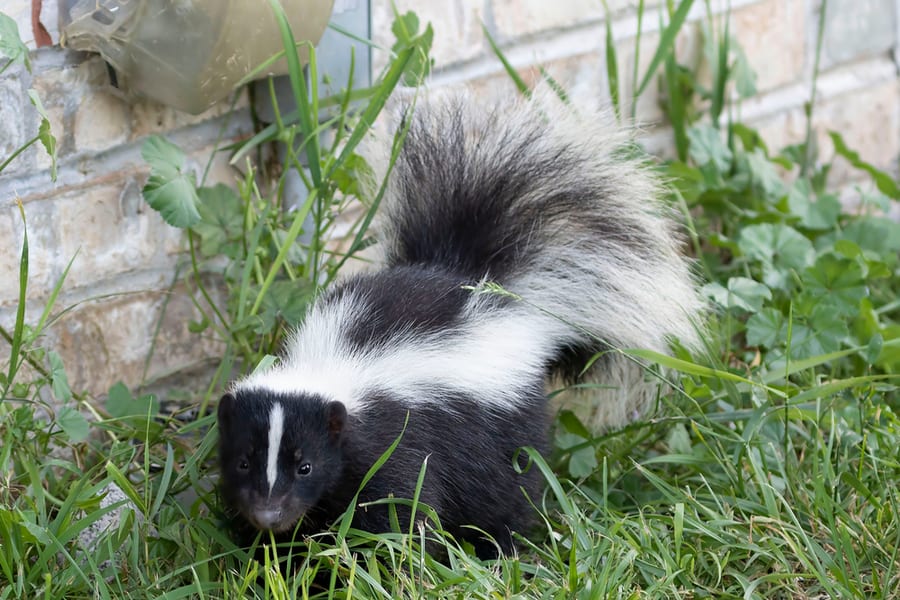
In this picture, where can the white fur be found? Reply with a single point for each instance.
(276, 430)
(492, 357)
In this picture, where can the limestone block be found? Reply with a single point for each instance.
(113, 233)
(773, 37)
(101, 122)
(519, 18)
(858, 28)
(12, 122)
(105, 341)
(867, 119)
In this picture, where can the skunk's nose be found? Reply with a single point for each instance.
(266, 518)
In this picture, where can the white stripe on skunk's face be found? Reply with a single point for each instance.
(276, 429)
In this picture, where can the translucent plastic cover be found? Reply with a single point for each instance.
(187, 53)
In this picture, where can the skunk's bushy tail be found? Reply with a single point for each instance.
(554, 207)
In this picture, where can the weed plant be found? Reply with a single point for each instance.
(770, 473)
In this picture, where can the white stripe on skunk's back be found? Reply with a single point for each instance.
(494, 356)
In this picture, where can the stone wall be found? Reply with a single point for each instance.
(125, 257)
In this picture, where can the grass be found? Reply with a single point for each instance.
(770, 473)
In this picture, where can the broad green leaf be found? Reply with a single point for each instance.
(836, 281)
(815, 213)
(743, 74)
(11, 45)
(170, 190)
(73, 424)
(742, 293)
(288, 300)
(875, 234)
(821, 333)
(764, 175)
(44, 133)
(221, 221)
(39, 533)
(766, 328)
(678, 441)
(348, 175)
(873, 349)
(121, 403)
(583, 462)
(707, 147)
(751, 140)
(58, 379)
(890, 353)
(779, 247)
(406, 31)
(573, 424)
(827, 329)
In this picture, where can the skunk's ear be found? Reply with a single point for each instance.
(226, 410)
(337, 418)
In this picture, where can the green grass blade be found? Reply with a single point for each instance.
(510, 70)
(373, 209)
(555, 85)
(832, 387)
(612, 63)
(164, 481)
(722, 74)
(126, 486)
(54, 293)
(690, 368)
(19, 326)
(798, 365)
(271, 132)
(307, 119)
(637, 55)
(666, 44)
(886, 184)
(676, 106)
(347, 519)
(376, 104)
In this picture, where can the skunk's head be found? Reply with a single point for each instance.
(279, 453)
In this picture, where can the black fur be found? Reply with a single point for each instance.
(462, 209)
(470, 476)
(408, 300)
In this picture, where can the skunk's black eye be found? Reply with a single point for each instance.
(304, 469)
(243, 465)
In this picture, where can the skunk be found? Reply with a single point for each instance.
(549, 205)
